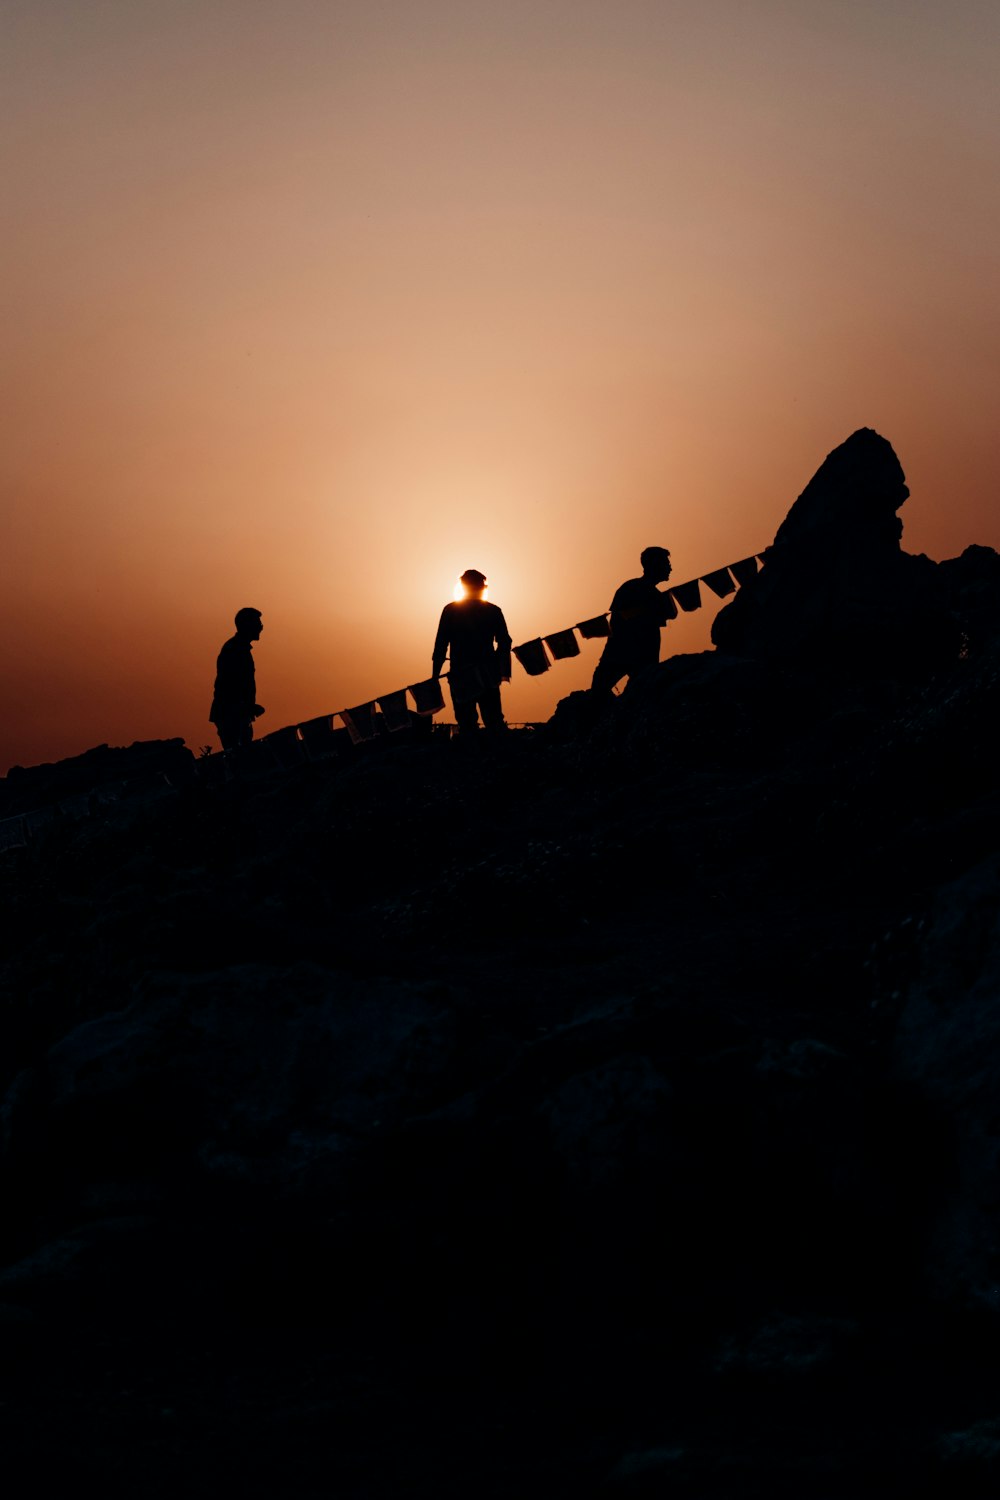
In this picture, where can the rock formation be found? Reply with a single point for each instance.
(612, 1113)
(837, 592)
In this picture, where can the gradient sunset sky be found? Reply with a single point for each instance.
(310, 306)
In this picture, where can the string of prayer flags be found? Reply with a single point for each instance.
(719, 582)
(318, 735)
(286, 747)
(427, 696)
(360, 722)
(395, 710)
(744, 571)
(595, 629)
(688, 595)
(533, 657)
(564, 643)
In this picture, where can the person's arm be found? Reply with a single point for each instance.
(503, 644)
(667, 609)
(441, 643)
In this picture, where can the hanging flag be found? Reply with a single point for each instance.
(532, 656)
(564, 643)
(688, 595)
(360, 722)
(719, 582)
(595, 629)
(395, 710)
(318, 735)
(427, 696)
(285, 745)
(744, 570)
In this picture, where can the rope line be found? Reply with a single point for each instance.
(686, 597)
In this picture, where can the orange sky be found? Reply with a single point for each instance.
(310, 306)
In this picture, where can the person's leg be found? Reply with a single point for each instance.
(467, 716)
(464, 703)
(640, 668)
(234, 733)
(229, 734)
(608, 673)
(491, 707)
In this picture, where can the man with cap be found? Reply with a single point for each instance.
(234, 705)
(637, 612)
(476, 635)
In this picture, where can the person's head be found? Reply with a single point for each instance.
(249, 623)
(474, 583)
(655, 564)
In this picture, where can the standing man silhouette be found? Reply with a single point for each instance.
(637, 612)
(476, 634)
(234, 705)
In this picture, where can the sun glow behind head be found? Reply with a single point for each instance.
(463, 591)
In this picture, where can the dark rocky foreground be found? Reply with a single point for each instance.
(616, 1113)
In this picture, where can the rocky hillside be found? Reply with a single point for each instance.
(612, 1112)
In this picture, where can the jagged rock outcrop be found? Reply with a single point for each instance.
(969, 585)
(133, 768)
(837, 593)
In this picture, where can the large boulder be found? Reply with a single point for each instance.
(969, 586)
(133, 768)
(837, 592)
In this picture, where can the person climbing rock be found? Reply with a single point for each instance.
(638, 610)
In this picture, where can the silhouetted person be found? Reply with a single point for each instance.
(234, 705)
(637, 612)
(476, 636)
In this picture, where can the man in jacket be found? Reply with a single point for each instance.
(475, 634)
(234, 705)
